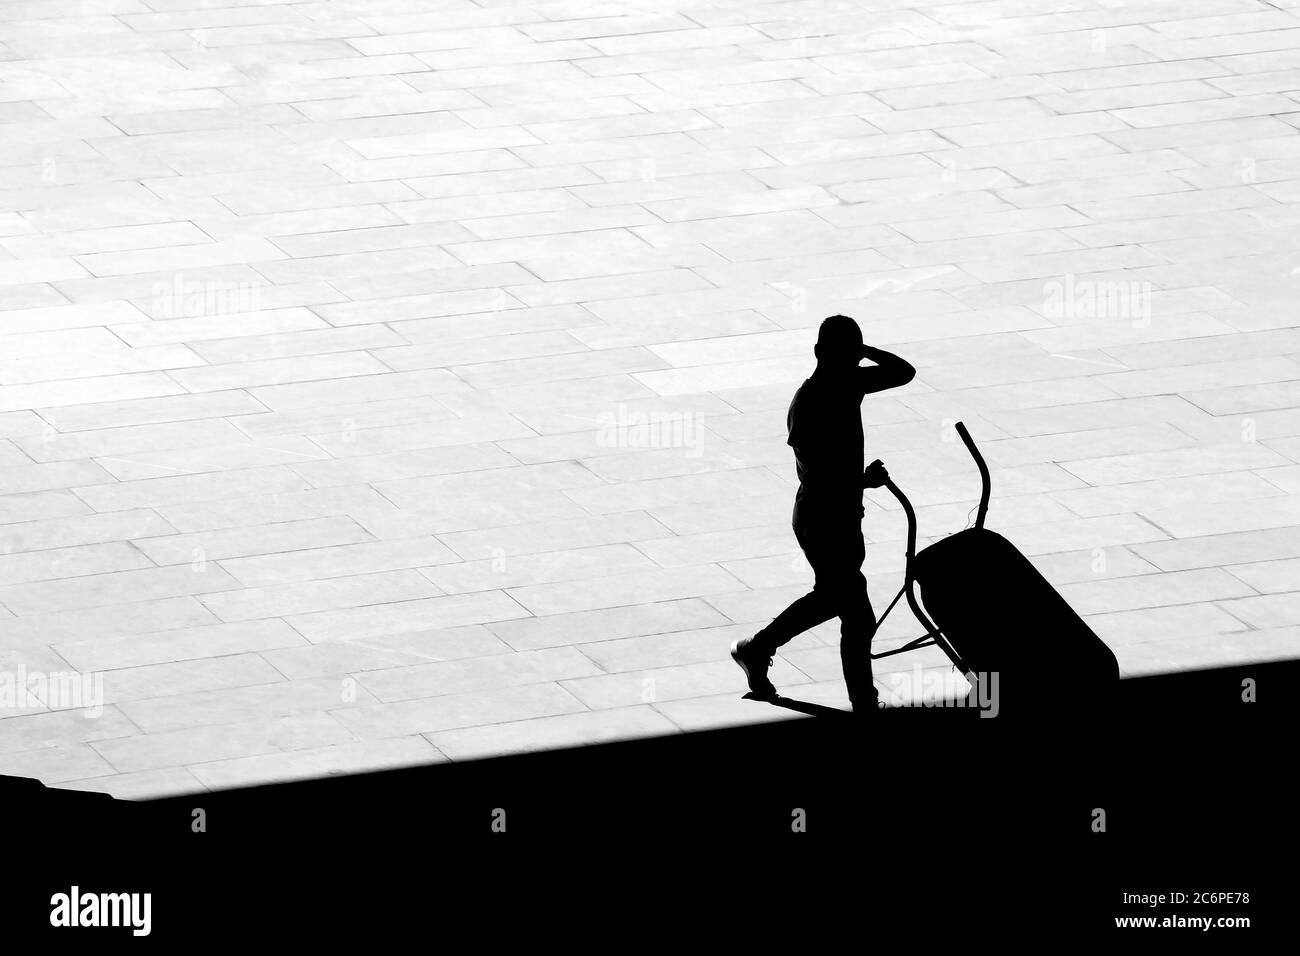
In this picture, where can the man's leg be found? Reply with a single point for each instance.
(857, 628)
(802, 615)
(754, 654)
(840, 573)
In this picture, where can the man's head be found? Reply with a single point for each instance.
(839, 344)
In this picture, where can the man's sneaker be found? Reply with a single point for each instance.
(754, 661)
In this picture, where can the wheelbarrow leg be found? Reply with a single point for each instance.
(909, 584)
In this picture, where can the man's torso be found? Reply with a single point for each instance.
(824, 424)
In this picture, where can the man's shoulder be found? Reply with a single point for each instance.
(804, 393)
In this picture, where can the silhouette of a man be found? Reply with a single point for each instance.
(825, 429)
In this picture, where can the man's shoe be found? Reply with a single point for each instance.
(862, 708)
(754, 661)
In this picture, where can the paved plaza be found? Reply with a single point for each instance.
(391, 382)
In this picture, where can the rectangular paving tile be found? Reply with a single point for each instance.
(183, 677)
(640, 495)
(1265, 610)
(1208, 651)
(629, 588)
(671, 683)
(114, 587)
(337, 561)
(545, 536)
(62, 728)
(1224, 517)
(1122, 628)
(141, 785)
(1227, 549)
(1159, 495)
(1153, 590)
(145, 411)
(152, 751)
(262, 701)
(239, 542)
(147, 492)
(574, 564)
(58, 563)
(477, 674)
(549, 733)
(237, 455)
(305, 764)
(55, 764)
(343, 501)
(116, 620)
(395, 465)
(1268, 576)
(460, 710)
(127, 440)
(363, 590)
(395, 650)
(607, 623)
(454, 610)
(112, 652)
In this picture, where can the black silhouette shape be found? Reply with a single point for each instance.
(999, 621)
(825, 430)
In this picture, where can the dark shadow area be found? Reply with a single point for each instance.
(804, 707)
(1152, 721)
(1194, 782)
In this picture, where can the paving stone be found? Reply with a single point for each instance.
(445, 355)
(168, 748)
(141, 785)
(54, 765)
(315, 762)
(546, 733)
(112, 652)
(284, 699)
(455, 711)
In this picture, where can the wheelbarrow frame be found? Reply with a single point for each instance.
(932, 636)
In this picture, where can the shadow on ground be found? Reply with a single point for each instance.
(1178, 782)
(732, 780)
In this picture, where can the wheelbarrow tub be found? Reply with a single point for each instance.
(1002, 616)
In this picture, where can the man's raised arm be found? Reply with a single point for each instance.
(890, 371)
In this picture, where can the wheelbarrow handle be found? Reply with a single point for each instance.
(909, 588)
(877, 476)
(986, 485)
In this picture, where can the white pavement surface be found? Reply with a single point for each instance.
(385, 382)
